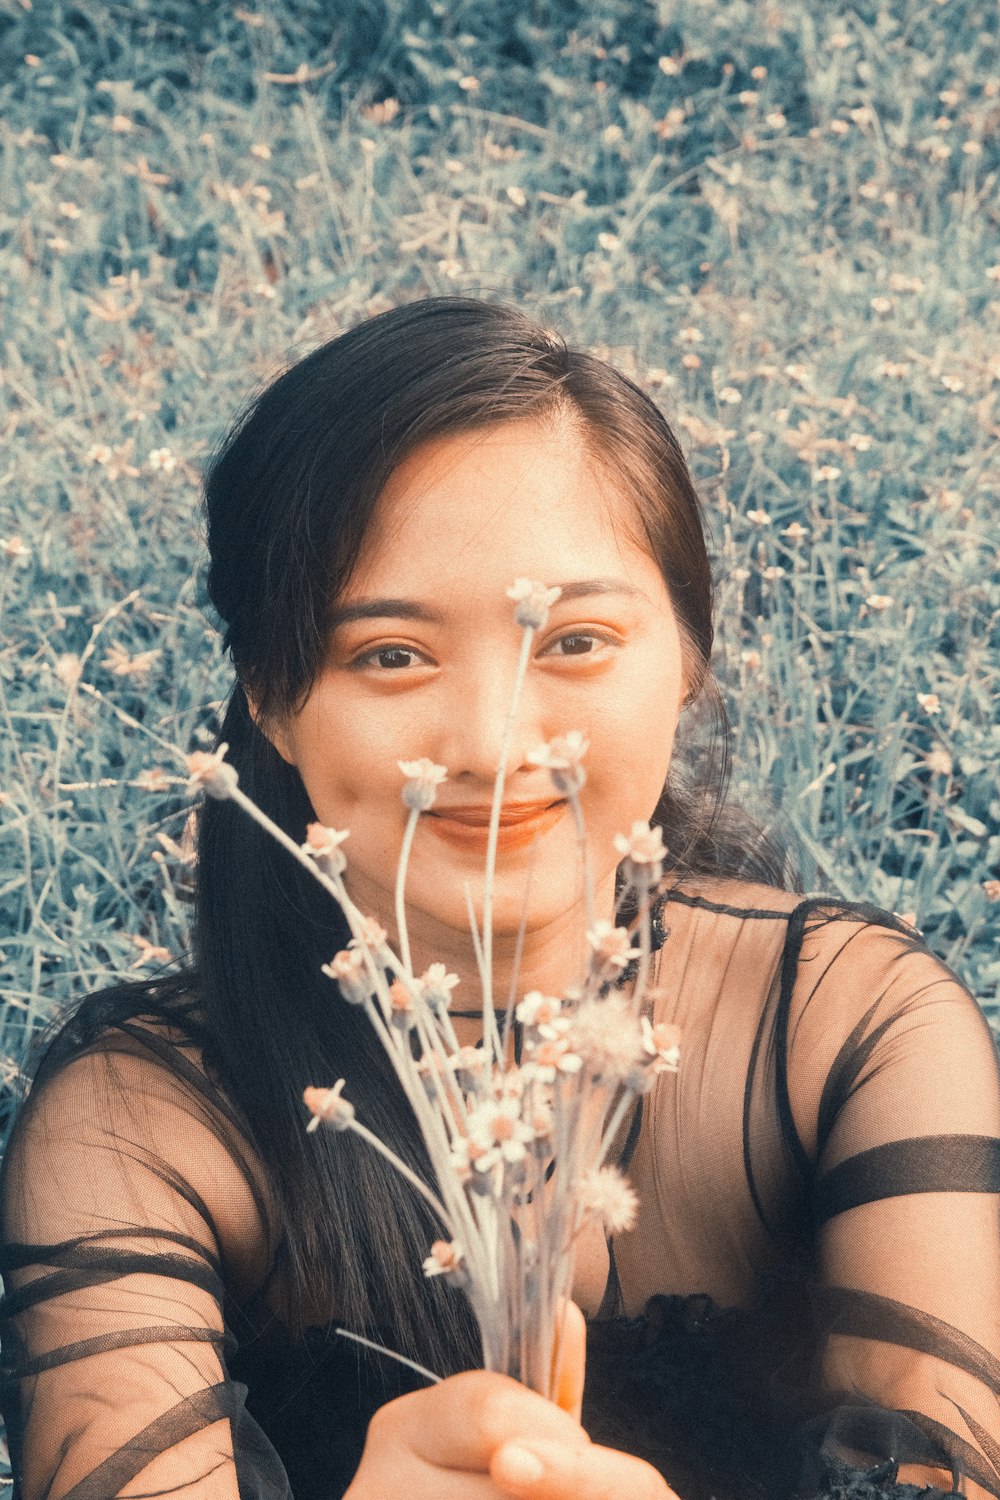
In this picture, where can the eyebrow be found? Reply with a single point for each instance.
(412, 609)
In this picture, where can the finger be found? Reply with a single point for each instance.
(571, 1361)
(460, 1423)
(544, 1470)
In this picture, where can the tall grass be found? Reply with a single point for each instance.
(783, 221)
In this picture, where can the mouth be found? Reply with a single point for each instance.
(520, 824)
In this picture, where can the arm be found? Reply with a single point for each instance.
(894, 1082)
(113, 1330)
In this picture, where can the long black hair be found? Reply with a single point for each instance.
(289, 497)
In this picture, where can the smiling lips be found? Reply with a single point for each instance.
(520, 824)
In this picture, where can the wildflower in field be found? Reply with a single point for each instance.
(839, 127)
(563, 758)
(776, 118)
(154, 779)
(879, 602)
(15, 550)
(423, 778)
(839, 40)
(972, 148)
(533, 602)
(382, 113)
(758, 517)
(826, 474)
(211, 772)
(670, 66)
(323, 845)
(149, 953)
(751, 660)
(446, 1259)
(605, 1195)
(691, 362)
(993, 272)
(517, 195)
(69, 210)
(938, 762)
(992, 890)
(68, 669)
(953, 383)
(689, 336)
(261, 150)
(119, 663)
(348, 969)
(469, 84)
(99, 453)
(773, 572)
(795, 532)
(58, 244)
(859, 441)
(163, 460)
(929, 702)
(328, 1107)
(730, 395)
(748, 97)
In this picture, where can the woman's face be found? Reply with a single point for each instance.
(422, 662)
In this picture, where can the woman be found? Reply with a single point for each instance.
(809, 1302)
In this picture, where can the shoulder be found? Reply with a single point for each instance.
(125, 1108)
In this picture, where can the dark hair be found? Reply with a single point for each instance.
(289, 498)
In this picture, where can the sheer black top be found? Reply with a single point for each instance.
(809, 1303)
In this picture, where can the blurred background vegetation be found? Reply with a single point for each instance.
(781, 218)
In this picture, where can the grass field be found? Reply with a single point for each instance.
(783, 219)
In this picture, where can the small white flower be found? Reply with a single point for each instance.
(436, 985)
(604, 1194)
(323, 845)
(498, 1134)
(643, 846)
(539, 1011)
(938, 762)
(212, 773)
(372, 936)
(446, 1259)
(611, 944)
(661, 1043)
(929, 702)
(348, 968)
(163, 460)
(563, 757)
(759, 517)
(880, 602)
(533, 602)
(423, 778)
(328, 1108)
(16, 551)
(795, 532)
(607, 1036)
(549, 1056)
(402, 1014)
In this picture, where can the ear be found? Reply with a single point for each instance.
(274, 730)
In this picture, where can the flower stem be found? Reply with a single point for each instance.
(491, 846)
(357, 1338)
(404, 859)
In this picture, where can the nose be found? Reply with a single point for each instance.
(478, 711)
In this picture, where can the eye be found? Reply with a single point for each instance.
(388, 659)
(577, 643)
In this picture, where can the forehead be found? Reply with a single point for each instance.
(516, 499)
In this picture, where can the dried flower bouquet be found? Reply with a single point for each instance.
(517, 1145)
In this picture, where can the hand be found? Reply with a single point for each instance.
(480, 1436)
